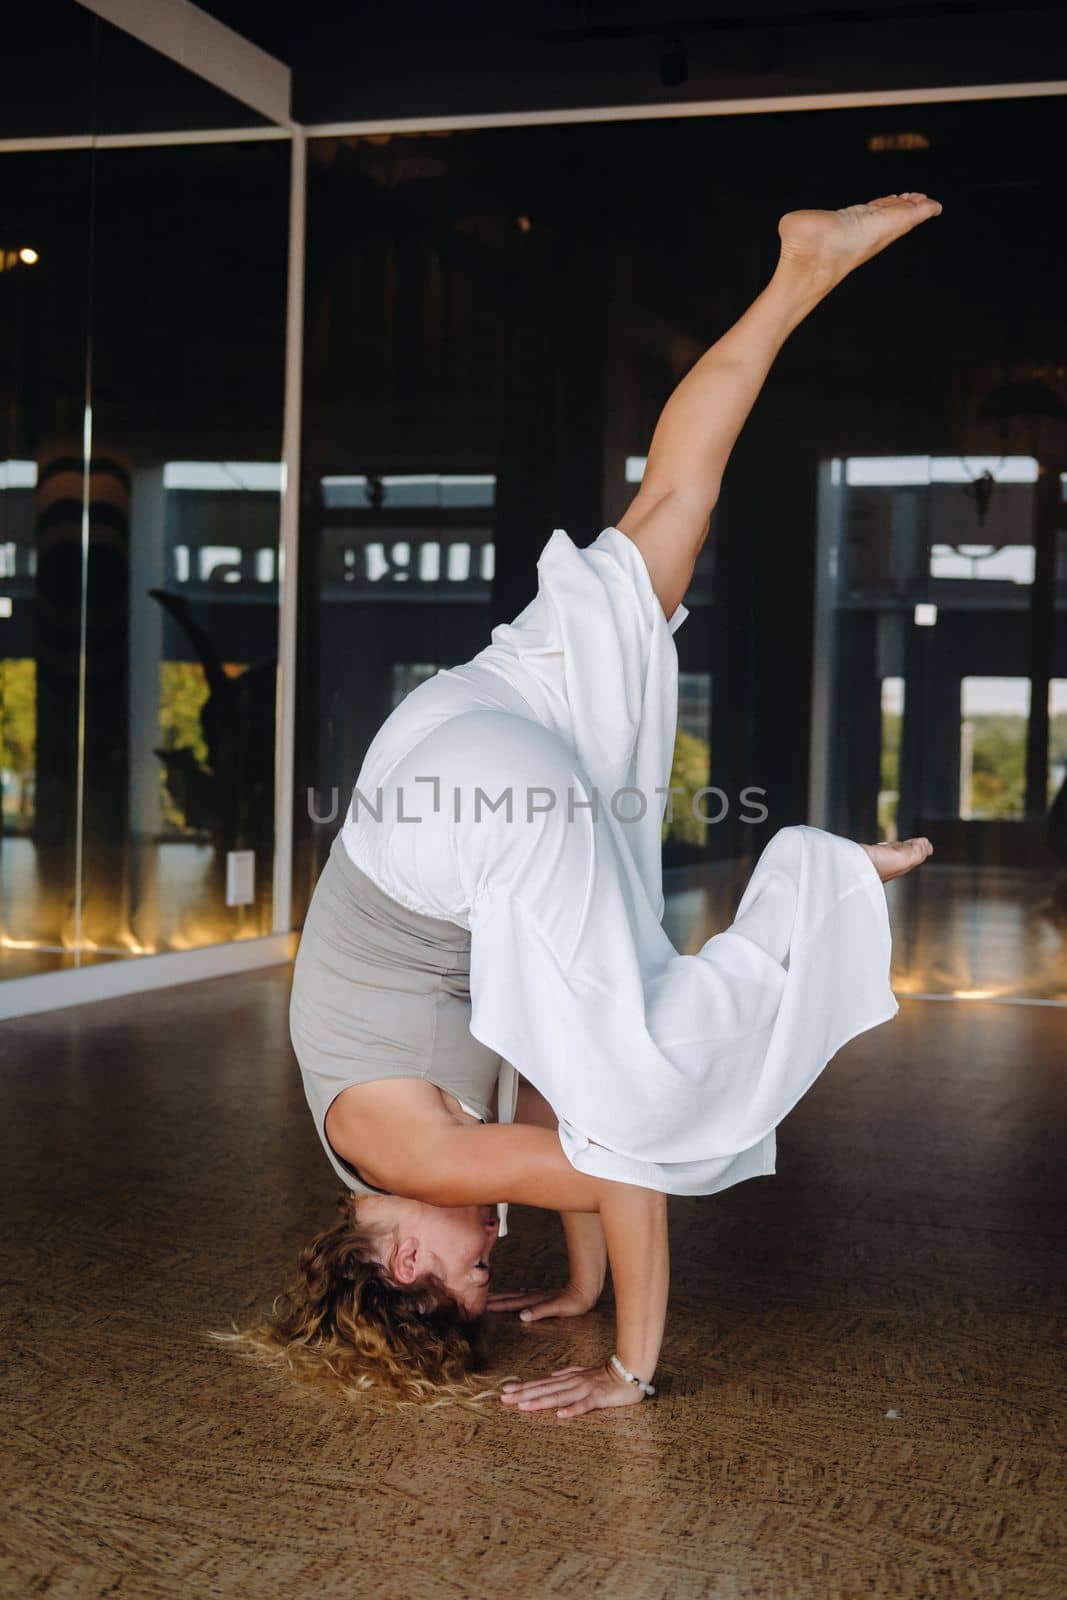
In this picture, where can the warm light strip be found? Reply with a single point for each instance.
(966, 996)
(105, 980)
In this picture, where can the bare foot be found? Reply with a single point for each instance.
(833, 243)
(893, 860)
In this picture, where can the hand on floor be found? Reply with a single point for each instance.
(571, 1391)
(534, 1304)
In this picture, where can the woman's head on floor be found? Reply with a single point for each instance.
(389, 1297)
(414, 1241)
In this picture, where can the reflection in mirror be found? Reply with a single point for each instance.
(935, 584)
(44, 300)
(508, 305)
(142, 318)
(181, 682)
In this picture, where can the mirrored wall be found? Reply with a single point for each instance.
(876, 641)
(142, 324)
(945, 675)
(493, 320)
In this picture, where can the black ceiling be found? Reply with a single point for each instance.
(295, 33)
(355, 60)
(63, 71)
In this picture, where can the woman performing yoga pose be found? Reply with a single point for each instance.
(485, 1006)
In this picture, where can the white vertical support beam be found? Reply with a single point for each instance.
(183, 33)
(285, 716)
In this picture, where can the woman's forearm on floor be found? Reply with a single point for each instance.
(635, 1228)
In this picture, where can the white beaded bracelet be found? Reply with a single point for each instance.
(621, 1372)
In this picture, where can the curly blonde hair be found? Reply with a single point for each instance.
(348, 1324)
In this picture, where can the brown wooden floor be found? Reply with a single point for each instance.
(161, 1172)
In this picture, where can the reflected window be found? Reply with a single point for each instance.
(262, 477)
(1014, 564)
(18, 742)
(407, 675)
(896, 471)
(892, 728)
(415, 360)
(359, 491)
(694, 706)
(1057, 736)
(221, 524)
(691, 767)
(911, 522)
(393, 567)
(18, 671)
(364, 562)
(18, 475)
(993, 718)
(138, 659)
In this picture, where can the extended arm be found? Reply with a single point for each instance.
(635, 1227)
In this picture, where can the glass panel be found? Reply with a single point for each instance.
(183, 572)
(693, 809)
(48, 79)
(459, 403)
(142, 310)
(892, 726)
(471, 314)
(403, 564)
(44, 284)
(964, 758)
(994, 713)
(1057, 712)
(407, 675)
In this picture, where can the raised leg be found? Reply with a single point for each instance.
(698, 427)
